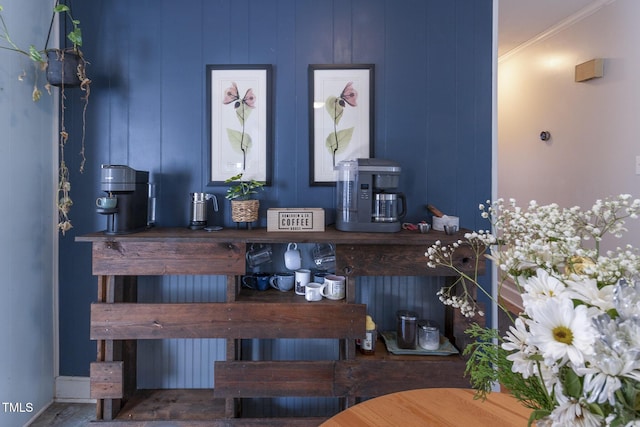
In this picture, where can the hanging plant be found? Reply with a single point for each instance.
(64, 68)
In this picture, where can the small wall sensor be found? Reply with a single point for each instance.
(545, 135)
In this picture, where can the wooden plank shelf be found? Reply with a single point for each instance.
(191, 408)
(117, 321)
(275, 296)
(124, 321)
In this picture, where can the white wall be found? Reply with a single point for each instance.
(595, 125)
(26, 219)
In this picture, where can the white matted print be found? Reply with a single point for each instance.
(341, 119)
(239, 106)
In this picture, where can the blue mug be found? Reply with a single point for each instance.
(282, 281)
(258, 281)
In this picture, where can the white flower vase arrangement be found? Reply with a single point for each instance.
(573, 354)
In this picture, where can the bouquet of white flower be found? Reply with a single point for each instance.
(573, 354)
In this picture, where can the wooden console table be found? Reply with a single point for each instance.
(117, 321)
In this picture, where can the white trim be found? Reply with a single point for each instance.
(55, 127)
(555, 29)
(73, 390)
(494, 154)
(494, 145)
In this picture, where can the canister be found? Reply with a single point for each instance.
(428, 335)
(406, 329)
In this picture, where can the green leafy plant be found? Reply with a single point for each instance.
(39, 58)
(243, 189)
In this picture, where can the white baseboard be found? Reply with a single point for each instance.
(73, 389)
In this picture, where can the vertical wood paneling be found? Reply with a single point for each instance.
(342, 32)
(181, 123)
(143, 98)
(180, 363)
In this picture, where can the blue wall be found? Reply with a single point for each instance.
(147, 107)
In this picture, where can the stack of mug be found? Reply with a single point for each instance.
(313, 285)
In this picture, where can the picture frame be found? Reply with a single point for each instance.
(239, 118)
(341, 122)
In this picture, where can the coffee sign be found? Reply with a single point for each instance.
(295, 219)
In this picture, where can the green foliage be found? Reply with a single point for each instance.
(244, 189)
(35, 54)
(487, 365)
(75, 35)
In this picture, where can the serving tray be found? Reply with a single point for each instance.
(446, 348)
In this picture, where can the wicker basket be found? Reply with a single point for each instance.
(244, 210)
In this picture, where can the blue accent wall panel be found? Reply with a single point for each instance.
(432, 113)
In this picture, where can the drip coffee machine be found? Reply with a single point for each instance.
(367, 196)
(131, 189)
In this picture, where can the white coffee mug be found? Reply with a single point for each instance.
(313, 291)
(335, 287)
(303, 277)
(292, 257)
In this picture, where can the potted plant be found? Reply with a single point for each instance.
(243, 208)
(64, 68)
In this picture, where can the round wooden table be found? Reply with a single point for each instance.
(434, 407)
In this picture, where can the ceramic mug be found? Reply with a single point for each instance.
(313, 291)
(319, 276)
(334, 287)
(292, 257)
(303, 277)
(106, 202)
(282, 281)
(258, 281)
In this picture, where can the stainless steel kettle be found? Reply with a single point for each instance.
(198, 215)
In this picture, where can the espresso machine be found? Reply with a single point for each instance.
(131, 189)
(367, 196)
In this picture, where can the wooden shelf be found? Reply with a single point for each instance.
(192, 408)
(275, 296)
(117, 321)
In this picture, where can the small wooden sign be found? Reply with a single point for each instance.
(295, 219)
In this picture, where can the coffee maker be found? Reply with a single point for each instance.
(367, 196)
(131, 189)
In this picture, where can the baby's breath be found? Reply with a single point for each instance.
(557, 361)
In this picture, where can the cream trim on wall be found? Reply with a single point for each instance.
(560, 26)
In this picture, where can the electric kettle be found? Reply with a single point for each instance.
(198, 215)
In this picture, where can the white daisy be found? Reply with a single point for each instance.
(516, 341)
(540, 288)
(571, 412)
(586, 290)
(561, 331)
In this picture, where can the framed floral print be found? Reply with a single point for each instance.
(340, 118)
(239, 122)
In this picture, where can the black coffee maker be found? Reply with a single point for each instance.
(131, 188)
